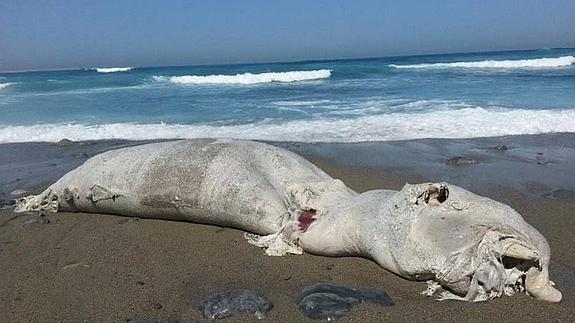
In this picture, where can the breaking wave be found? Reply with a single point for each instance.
(5, 85)
(112, 69)
(462, 123)
(521, 63)
(247, 78)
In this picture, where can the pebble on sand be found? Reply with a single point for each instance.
(65, 143)
(560, 194)
(460, 161)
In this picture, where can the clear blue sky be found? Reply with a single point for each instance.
(76, 33)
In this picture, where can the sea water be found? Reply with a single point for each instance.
(394, 98)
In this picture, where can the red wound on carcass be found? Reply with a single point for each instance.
(305, 219)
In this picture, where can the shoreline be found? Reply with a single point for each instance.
(97, 267)
(532, 164)
(544, 160)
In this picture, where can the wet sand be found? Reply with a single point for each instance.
(93, 267)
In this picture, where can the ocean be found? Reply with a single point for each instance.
(379, 99)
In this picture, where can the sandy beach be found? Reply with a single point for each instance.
(71, 267)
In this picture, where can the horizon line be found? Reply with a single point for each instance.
(278, 61)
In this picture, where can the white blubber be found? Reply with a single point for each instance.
(473, 247)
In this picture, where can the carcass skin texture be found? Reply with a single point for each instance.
(473, 247)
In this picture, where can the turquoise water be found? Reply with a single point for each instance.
(436, 96)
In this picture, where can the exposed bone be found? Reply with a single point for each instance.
(521, 252)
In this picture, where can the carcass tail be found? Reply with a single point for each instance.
(47, 201)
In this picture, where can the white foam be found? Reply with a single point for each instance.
(302, 103)
(248, 78)
(5, 85)
(522, 63)
(112, 69)
(85, 91)
(463, 123)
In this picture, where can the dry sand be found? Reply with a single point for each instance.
(104, 268)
